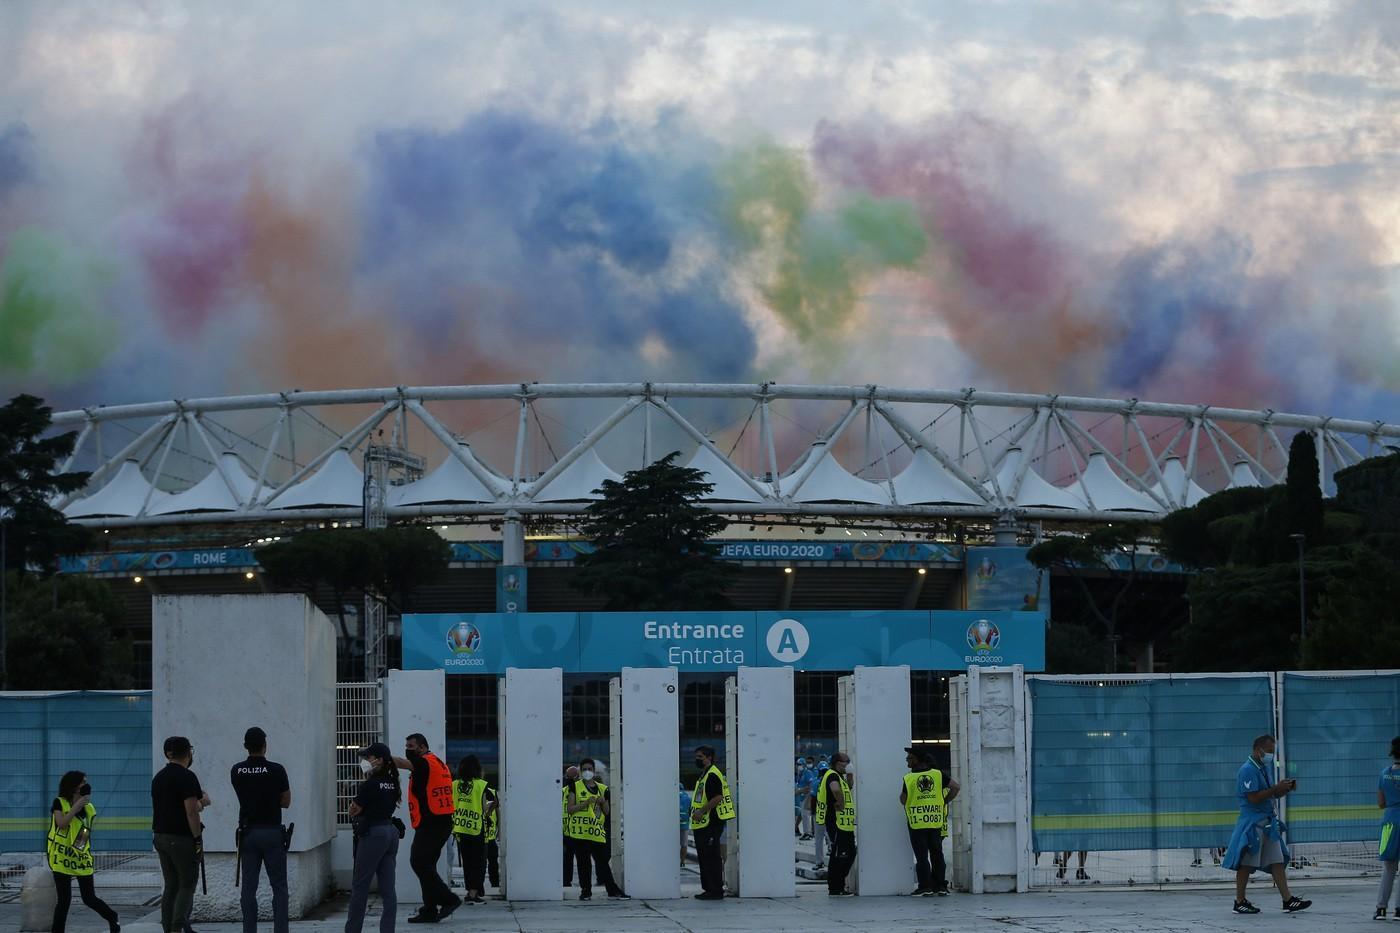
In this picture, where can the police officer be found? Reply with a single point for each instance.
(69, 848)
(469, 825)
(430, 811)
(263, 793)
(925, 796)
(836, 810)
(588, 806)
(711, 806)
(376, 838)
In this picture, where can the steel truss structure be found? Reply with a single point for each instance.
(980, 455)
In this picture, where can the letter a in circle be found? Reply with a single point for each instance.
(788, 641)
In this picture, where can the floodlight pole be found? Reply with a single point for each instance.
(4, 582)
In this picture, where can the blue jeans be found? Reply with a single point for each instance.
(262, 848)
(375, 854)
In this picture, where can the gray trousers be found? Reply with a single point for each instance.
(375, 854)
(262, 848)
(179, 867)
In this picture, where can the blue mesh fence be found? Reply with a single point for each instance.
(1337, 733)
(105, 735)
(1143, 765)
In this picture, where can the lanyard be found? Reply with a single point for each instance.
(1264, 780)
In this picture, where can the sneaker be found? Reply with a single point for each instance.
(841, 893)
(586, 896)
(424, 915)
(620, 896)
(1195, 863)
(709, 896)
(1295, 904)
(920, 892)
(942, 892)
(1379, 914)
(1245, 907)
(478, 899)
(1081, 875)
(1396, 915)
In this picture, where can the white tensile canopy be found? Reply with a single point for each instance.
(1174, 479)
(450, 482)
(728, 486)
(211, 494)
(1101, 486)
(338, 482)
(123, 496)
(925, 481)
(1242, 477)
(829, 481)
(578, 480)
(1035, 492)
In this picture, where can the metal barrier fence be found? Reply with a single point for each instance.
(1133, 778)
(359, 721)
(104, 734)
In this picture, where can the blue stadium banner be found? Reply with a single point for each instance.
(830, 551)
(1002, 578)
(603, 642)
(234, 558)
(511, 588)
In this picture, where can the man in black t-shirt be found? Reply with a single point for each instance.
(263, 793)
(176, 802)
(428, 778)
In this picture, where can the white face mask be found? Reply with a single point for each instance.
(365, 766)
(587, 775)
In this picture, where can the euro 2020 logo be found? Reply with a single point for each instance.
(464, 638)
(983, 636)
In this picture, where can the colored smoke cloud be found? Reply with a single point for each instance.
(1144, 204)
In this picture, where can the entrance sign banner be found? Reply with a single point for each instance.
(601, 642)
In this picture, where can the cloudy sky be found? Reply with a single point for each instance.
(1184, 201)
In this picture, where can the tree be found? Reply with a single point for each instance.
(411, 556)
(62, 635)
(35, 532)
(1304, 490)
(651, 542)
(32, 532)
(1075, 555)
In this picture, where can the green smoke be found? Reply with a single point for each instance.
(812, 262)
(50, 322)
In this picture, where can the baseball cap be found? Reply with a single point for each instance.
(801, 760)
(177, 745)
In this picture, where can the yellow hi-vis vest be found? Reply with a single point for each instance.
(493, 818)
(846, 816)
(467, 815)
(586, 824)
(725, 809)
(65, 855)
(924, 807)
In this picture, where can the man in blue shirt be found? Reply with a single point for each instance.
(1257, 843)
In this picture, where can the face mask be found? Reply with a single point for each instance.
(412, 753)
(1268, 758)
(587, 775)
(699, 762)
(365, 766)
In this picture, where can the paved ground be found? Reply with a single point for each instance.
(1340, 906)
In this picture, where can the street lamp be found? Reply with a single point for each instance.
(1300, 539)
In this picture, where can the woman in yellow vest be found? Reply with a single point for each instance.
(70, 850)
(470, 808)
(926, 802)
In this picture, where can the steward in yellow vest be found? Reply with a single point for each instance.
(589, 809)
(838, 814)
(584, 812)
(69, 849)
(925, 796)
(469, 812)
(711, 806)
